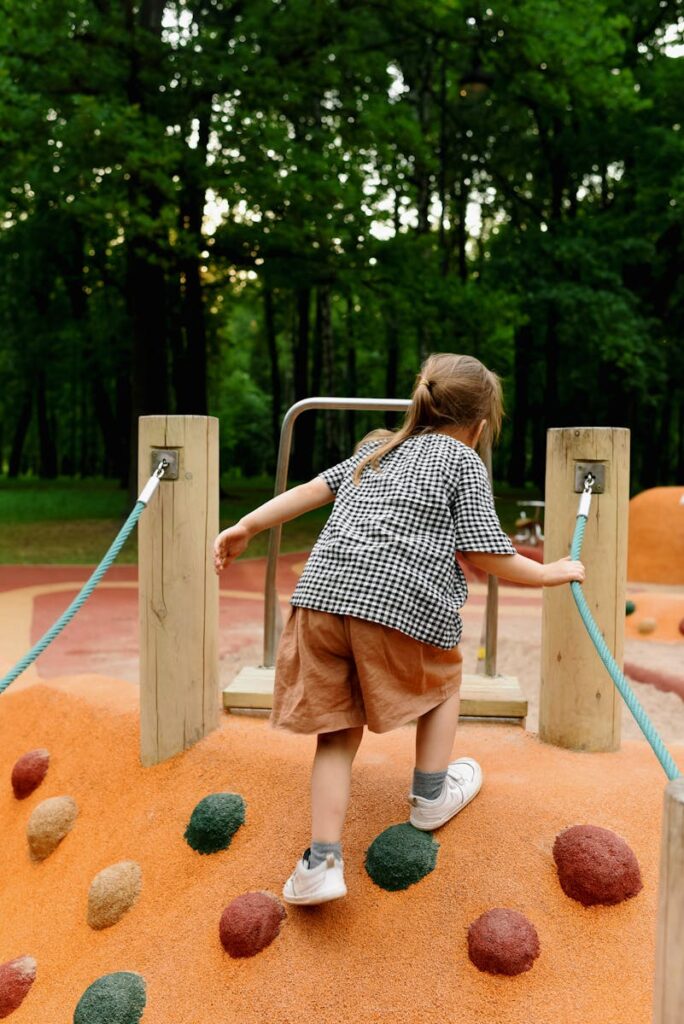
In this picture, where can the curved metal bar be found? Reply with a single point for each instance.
(271, 606)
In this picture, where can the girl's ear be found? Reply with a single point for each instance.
(478, 432)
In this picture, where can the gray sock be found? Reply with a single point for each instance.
(319, 851)
(428, 784)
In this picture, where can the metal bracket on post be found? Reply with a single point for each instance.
(597, 470)
(157, 455)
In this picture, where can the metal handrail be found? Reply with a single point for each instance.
(271, 606)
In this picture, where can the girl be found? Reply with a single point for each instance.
(372, 637)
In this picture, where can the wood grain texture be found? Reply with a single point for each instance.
(481, 696)
(668, 1003)
(178, 589)
(580, 708)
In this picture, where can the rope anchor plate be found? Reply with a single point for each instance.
(170, 455)
(597, 470)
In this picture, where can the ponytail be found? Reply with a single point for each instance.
(450, 390)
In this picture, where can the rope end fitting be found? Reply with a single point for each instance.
(585, 497)
(153, 483)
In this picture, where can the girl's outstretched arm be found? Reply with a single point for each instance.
(519, 569)
(232, 542)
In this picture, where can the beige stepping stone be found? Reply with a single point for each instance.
(50, 822)
(113, 892)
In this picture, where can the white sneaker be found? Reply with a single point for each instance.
(321, 884)
(462, 784)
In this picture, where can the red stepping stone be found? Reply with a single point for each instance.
(16, 978)
(29, 771)
(503, 941)
(596, 866)
(250, 923)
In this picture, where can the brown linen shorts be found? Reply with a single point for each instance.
(338, 671)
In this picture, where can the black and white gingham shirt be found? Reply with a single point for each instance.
(387, 552)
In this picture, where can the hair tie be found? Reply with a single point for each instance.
(426, 382)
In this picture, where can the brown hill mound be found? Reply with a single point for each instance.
(656, 536)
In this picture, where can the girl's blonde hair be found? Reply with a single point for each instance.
(450, 390)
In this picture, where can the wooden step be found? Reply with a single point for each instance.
(481, 696)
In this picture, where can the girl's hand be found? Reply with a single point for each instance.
(565, 570)
(229, 544)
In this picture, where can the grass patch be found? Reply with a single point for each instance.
(73, 522)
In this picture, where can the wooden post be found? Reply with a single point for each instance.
(580, 708)
(178, 589)
(668, 1002)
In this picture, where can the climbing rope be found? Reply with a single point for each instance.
(625, 690)
(87, 589)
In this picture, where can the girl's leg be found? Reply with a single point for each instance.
(331, 782)
(441, 788)
(435, 735)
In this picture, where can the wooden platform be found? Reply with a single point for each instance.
(481, 696)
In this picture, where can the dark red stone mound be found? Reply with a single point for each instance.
(250, 923)
(595, 865)
(16, 978)
(29, 772)
(503, 941)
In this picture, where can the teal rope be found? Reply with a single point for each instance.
(642, 719)
(79, 600)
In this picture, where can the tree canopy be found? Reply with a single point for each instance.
(225, 207)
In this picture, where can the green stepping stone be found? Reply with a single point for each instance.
(400, 856)
(215, 821)
(113, 999)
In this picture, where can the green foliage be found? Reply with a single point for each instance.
(171, 169)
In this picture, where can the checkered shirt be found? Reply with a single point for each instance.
(388, 550)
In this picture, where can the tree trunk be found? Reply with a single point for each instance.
(74, 279)
(553, 415)
(271, 341)
(146, 293)
(302, 458)
(195, 390)
(462, 229)
(178, 355)
(352, 384)
(46, 431)
(517, 466)
(123, 423)
(20, 431)
(313, 417)
(663, 444)
(145, 276)
(194, 321)
(538, 447)
(392, 368)
(442, 176)
(331, 420)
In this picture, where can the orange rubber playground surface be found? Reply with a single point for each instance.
(375, 956)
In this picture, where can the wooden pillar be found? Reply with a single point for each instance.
(178, 588)
(668, 1002)
(580, 708)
